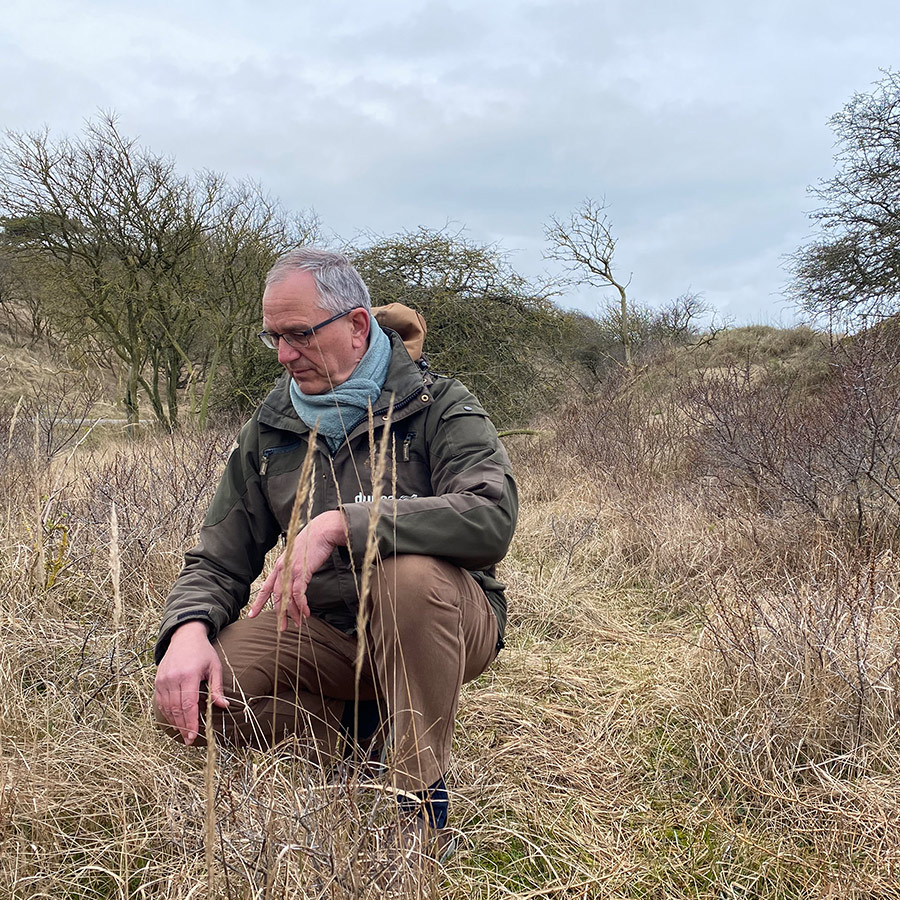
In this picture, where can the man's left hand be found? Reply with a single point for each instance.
(312, 547)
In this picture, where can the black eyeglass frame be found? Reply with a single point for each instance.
(298, 339)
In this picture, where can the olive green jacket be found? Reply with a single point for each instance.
(448, 492)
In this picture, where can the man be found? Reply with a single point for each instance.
(433, 616)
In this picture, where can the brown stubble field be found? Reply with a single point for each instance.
(698, 697)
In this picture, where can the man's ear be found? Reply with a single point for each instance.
(359, 327)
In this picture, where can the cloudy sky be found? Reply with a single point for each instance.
(702, 123)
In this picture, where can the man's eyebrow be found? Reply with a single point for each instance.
(290, 328)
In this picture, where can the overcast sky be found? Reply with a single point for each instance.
(702, 123)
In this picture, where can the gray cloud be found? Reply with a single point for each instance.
(701, 123)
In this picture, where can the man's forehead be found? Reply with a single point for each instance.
(293, 298)
(295, 315)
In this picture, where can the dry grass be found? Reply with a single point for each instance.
(693, 703)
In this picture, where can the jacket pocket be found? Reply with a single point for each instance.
(274, 453)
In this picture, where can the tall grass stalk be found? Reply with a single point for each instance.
(115, 570)
(40, 564)
(209, 831)
(13, 420)
(378, 464)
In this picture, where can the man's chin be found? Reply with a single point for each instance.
(308, 383)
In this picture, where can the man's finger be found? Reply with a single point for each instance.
(164, 704)
(215, 686)
(299, 584)
(298, 598)
(258, 604)
(173, 712)
(189, 715)
(264, 593)
(295, 611)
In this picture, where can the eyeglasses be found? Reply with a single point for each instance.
(297, 339)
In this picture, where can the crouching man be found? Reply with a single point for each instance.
(434, 614)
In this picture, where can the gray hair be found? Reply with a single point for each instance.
(339, 285)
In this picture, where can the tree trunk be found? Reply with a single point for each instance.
(212, 371)
(132, 399)
(172, 391)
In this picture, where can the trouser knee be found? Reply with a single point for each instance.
(407, 592)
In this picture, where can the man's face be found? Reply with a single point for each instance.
(292, 304)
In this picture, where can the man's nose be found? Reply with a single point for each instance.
(286, 353)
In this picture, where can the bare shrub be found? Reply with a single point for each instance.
(161, 487)
(51, 418)
(17, 463)
(806, 665)
(61, 408)
(628, 431)
(834, 451)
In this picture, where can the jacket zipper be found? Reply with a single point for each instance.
(264, 465)
(381, 412)
(406, 443)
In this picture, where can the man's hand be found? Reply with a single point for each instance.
(189, 660)
(312, 547)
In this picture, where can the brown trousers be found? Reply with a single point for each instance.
(430, 628)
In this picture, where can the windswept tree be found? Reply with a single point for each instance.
(851, 269)
(584, 243)
(486, 325)
(151, 269)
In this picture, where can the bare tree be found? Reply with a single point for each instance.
(150, 267)
(678, 321)
(852, 268)
(585, 245)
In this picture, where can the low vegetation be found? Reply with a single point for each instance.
(698, 697)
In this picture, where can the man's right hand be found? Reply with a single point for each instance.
(189, 660)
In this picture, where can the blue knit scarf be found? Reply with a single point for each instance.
(338, 410)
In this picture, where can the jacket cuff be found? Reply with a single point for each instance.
(170, 626)
(357, 518)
